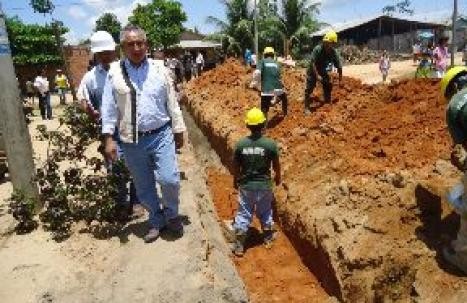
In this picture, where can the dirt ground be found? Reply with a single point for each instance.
(122, 268)
(370, 74)
(364, 181)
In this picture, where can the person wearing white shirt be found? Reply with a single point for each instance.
(140, 97)
(42, 86)
(200, 63)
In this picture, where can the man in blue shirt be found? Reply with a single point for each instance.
(139, 96)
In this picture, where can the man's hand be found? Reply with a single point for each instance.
(110, 148)
(179, 140)
(458, 157)
(319, 78)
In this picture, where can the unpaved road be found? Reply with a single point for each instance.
(195, 268)
(370, 74)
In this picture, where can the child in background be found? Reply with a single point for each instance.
(384, 65)
(253, 158)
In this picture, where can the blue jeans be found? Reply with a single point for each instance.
(153, 159)
(248, 201)
(44, 106)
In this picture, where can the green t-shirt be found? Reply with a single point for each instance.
(456, 116)
(254, 155)
(270, 75)
(322, 59)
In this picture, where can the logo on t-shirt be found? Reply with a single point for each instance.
(253, 151)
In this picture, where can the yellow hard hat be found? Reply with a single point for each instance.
(254, 117)
(268, 50)
(330, 36)
(449, 76)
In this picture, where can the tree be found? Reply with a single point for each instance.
(401, 7)
(162, 20)
(32, 43)
(42, 6)
(237, 32)
(294, 22)
(108, 22)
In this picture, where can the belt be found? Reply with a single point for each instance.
(152, 131)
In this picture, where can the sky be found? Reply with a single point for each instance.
(80, 15)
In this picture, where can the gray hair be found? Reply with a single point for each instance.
(130, 28)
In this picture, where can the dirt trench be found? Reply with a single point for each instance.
(362, 200)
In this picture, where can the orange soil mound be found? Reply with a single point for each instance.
(363, 179)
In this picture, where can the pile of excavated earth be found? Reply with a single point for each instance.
(364, 180)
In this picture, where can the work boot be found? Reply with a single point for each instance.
(239, 245)
(175, 227)
(152, 235)
(269, 235)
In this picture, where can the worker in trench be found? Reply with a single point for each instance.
(454, 88)
(253, 157)
(323, 57)
(268, 73)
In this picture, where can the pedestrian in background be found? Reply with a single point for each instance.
(253, 157)
(139, 96)
(247, 57)
(441, 55)
(42, 86)
(254, 60)
(384, 65)
(61, 85)
(200, 63)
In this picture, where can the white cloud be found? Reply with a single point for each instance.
(72, 37)
(77, 12)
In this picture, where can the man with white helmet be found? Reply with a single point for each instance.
(454, 89)
(322, 58)
(90, 95)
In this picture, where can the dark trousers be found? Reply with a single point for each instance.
(311, 84)
(44, 106)
(266, 103)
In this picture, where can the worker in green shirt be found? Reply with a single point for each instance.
(454, 88)
(322, 58)
(271, 84)
(253, 157)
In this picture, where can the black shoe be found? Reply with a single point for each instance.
(175, 227)
(238, 248)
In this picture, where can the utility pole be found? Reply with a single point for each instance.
(255, 12)
(16, 136)
(57, 30)
(454, 29)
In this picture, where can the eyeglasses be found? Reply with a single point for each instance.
(140, 43)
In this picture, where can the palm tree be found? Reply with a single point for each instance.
(294, 23)
(236, 33)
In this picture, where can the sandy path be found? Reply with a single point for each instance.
(195, 268)
(370, 74)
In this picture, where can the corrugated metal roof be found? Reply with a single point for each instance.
(197, 44)
(339, 27)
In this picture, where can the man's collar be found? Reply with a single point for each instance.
(143, 64)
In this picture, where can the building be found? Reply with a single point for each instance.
(382, 32)
(193, 43)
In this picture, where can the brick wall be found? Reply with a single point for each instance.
(78, 59)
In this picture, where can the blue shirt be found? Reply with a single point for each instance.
(91, 87)
(151, 99)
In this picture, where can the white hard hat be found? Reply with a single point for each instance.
(102, 41)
